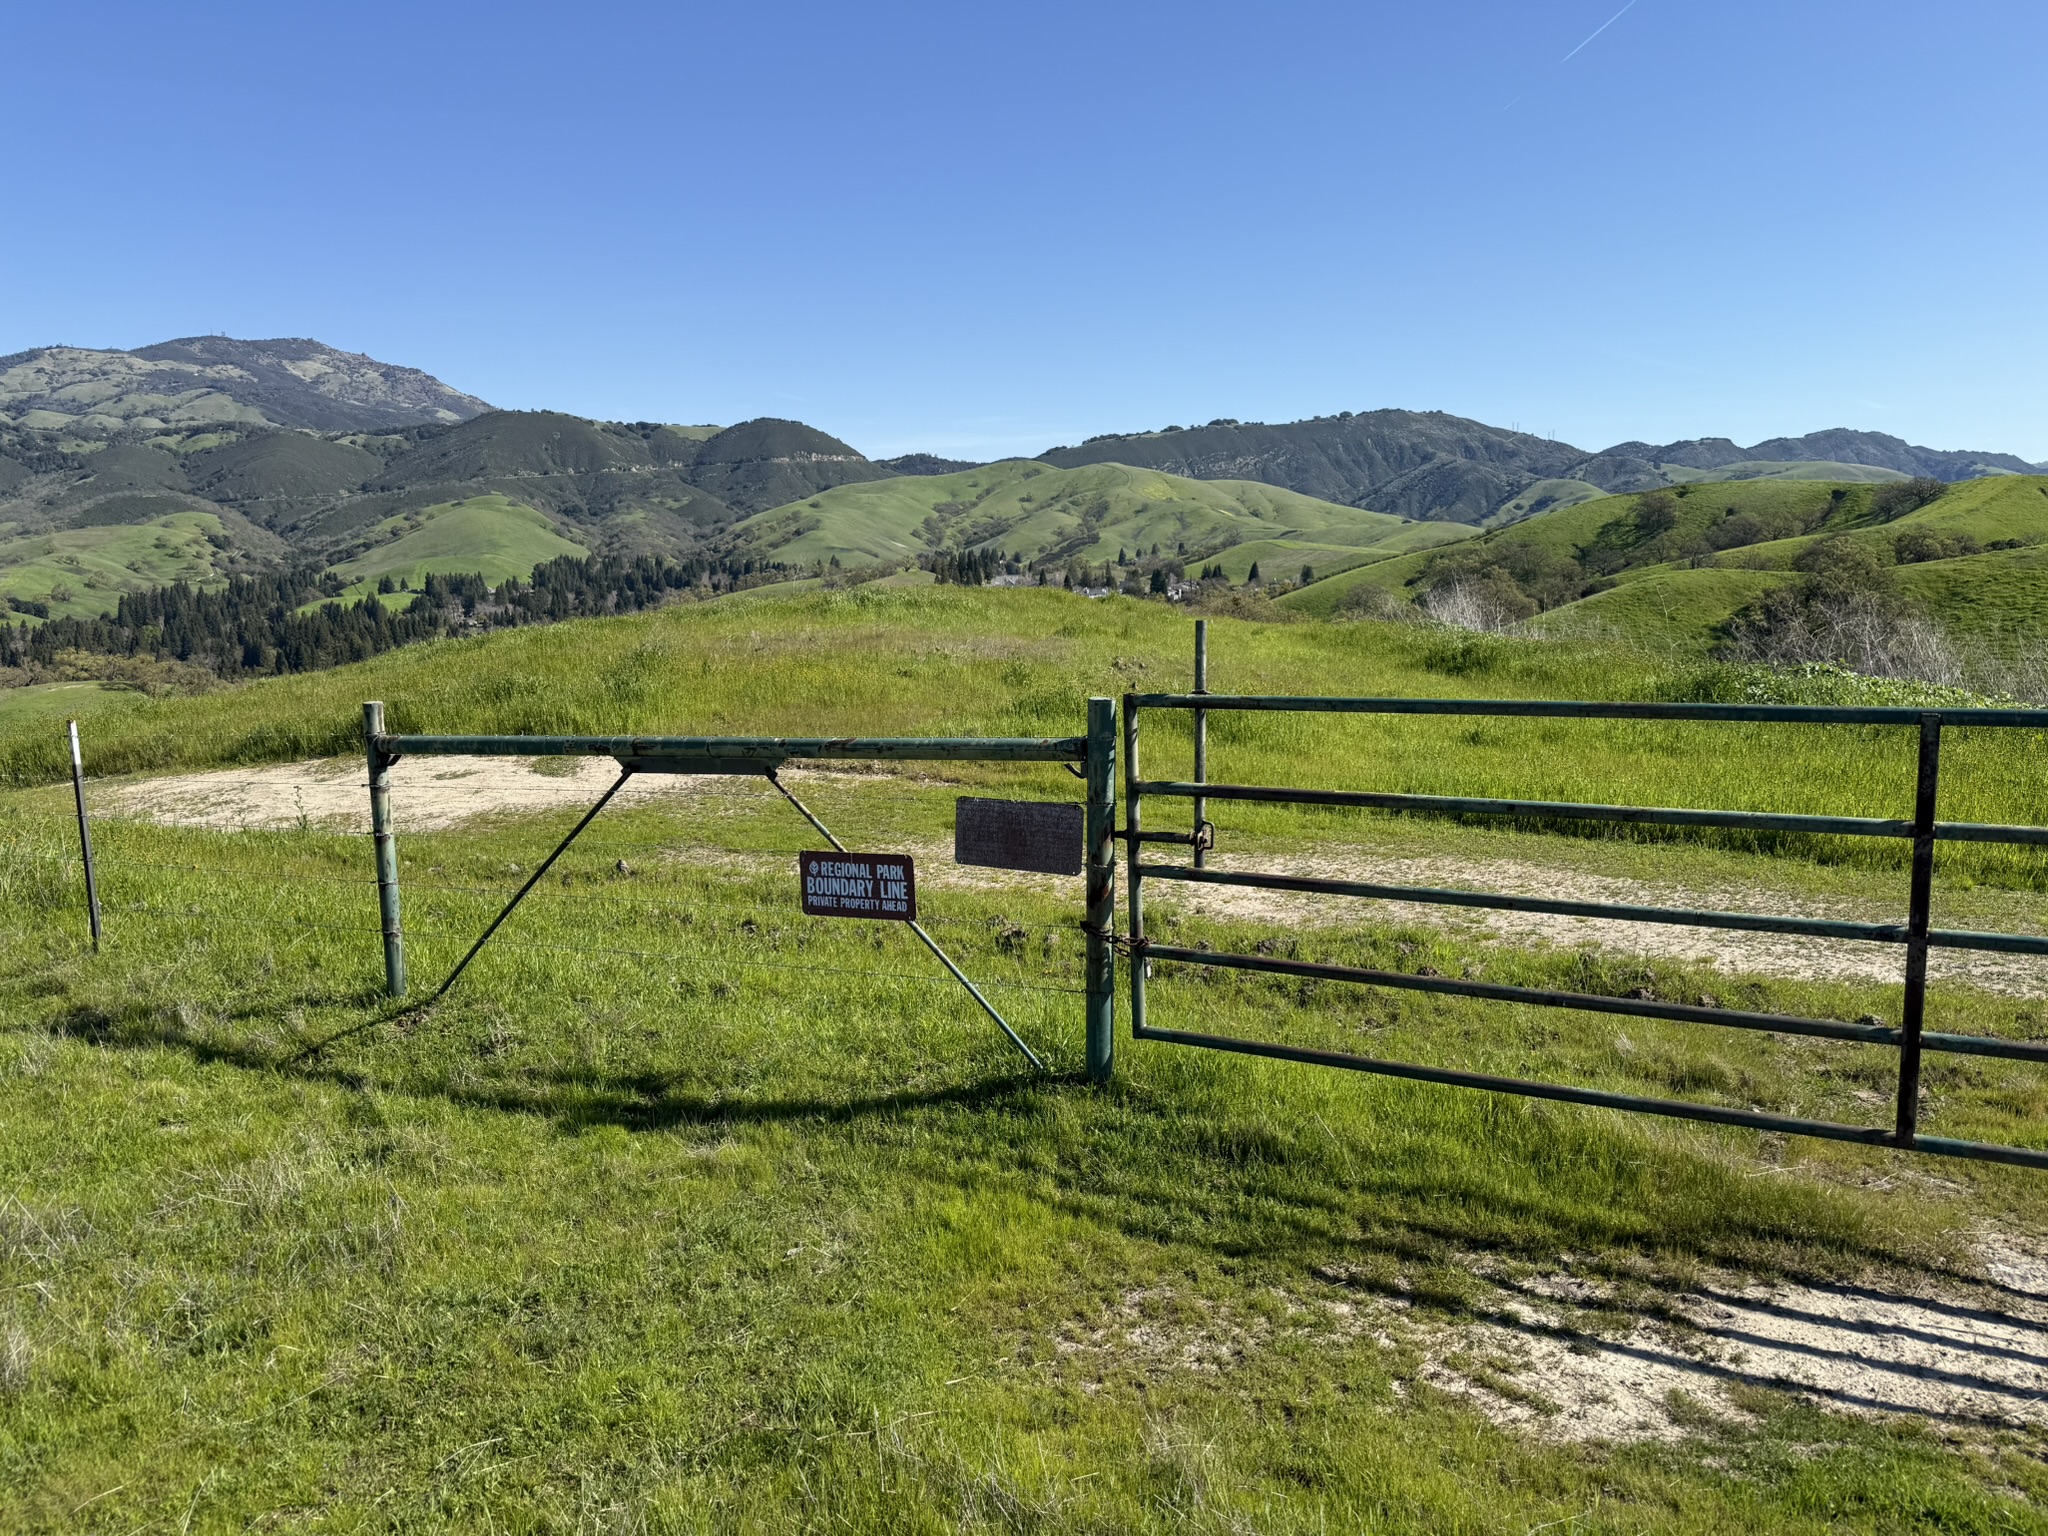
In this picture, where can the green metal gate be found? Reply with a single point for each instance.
(1092, 755)
(1911, 1039)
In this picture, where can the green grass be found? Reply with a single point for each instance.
(45, 707)
(685, 1212)
(492, 535)
(96, 565)
(1832, 471)
(1021, 506)
(1678, 611)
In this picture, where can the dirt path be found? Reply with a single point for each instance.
(428, 795)
(1968, 1363)
(436, 793)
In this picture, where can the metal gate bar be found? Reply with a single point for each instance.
(761, 756)
(1910, 1039)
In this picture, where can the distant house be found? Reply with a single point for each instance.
(1011, 581)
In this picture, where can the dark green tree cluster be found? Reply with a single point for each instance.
(265, 625)
(969, 567)
(255, 625)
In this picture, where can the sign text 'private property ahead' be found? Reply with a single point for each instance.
(859, 885)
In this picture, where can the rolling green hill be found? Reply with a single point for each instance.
(1088, 514)
(1671, 568)
(489, 535)
(79, 572)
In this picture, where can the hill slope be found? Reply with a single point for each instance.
(279, 497)
(1088, 514)
(1672, 567)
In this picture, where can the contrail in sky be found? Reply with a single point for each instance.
(1610, 21)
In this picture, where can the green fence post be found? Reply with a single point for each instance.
(1101, 888)
(387, 850)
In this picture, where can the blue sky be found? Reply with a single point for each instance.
(982, 230)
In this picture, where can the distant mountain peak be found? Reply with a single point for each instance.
(202, 381)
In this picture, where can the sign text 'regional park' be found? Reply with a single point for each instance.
(859, 885)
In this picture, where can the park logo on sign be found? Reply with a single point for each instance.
(859, 885)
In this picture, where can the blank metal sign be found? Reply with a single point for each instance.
(1039, 835)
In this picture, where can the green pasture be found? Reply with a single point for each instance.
(956, 661)
(491, 535)
(1024, 507)
(27, 713)
(94, 566)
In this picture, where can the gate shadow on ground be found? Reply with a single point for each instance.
(1853, 1347)
(1856, 1348)
(1151, 1171)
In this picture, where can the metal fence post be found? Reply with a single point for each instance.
(387, 850)
(1201, 736)
(1133, 883)
(1101, 877)
(1914, 1013)
(92, 884)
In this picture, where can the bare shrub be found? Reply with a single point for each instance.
(1366, 601)
(1464, 604)
(1860, 631)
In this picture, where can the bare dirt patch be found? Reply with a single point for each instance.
(427, 795)
(1966, 1364)
(1564, 1357)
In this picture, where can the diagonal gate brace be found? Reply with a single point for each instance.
(627, 768)
(625, 772)
(917, 928)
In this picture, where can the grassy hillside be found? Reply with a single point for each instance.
(488, 534)
(1042, 513)
(1668, 585)
(79, 572)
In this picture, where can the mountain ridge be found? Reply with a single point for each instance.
(200, 380)
(243, 437)
(1429, 464)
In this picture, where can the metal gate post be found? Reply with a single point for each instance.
(387, 850)
(1101, 876)
(1201, 736)
(1914, 1014)
(1133, 884)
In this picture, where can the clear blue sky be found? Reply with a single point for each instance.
(987, 229)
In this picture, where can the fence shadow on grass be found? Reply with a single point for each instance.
(574, 1099)
(1151, 1171)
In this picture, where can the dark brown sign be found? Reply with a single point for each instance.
(1039, 835)
(859, 885)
